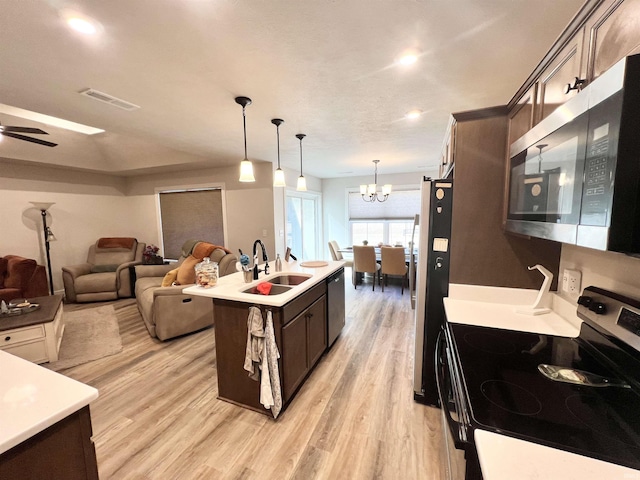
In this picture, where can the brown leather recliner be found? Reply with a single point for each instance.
(106, 274)
(21, 278)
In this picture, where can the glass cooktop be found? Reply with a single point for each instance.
(509, 394)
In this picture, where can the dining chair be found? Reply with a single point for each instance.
(364, 261)
(393, 263)
(337, 255)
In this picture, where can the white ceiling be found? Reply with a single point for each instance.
(324, 66)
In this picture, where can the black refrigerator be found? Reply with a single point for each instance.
(431, 282)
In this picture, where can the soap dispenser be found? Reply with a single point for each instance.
(278, 263)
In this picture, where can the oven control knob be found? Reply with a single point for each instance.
(598, 307)
(584, 300)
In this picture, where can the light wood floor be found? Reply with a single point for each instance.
(158, 417)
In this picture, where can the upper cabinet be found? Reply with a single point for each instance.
(560, 81)
(521, 115)
(613, 32)
(601, 33)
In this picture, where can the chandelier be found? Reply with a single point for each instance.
(369, 193)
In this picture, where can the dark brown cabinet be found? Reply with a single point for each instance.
(602, 33)
(64, 450)
(304, 340)
(300, 328)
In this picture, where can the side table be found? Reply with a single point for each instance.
(35, 336)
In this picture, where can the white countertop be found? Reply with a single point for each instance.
(495, 307)
(33, 398)
(506, 458)
(230, 287)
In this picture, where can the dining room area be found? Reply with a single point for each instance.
(381, 265)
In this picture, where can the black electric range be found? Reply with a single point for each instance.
(596, 414)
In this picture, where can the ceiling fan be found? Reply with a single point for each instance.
(14, 132)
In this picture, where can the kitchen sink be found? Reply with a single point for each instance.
(289, 279)
(275, 290)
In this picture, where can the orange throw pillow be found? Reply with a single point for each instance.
(186, 271)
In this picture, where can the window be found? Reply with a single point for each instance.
(389, 222)
(190, 214)
(386, 232)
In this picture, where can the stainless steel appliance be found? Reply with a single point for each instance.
(580, 395)
(432, 282)
(335, 305)
(575, 176)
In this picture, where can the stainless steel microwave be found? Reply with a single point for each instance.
(575, 177)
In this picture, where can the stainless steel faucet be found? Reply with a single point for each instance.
(255, 259)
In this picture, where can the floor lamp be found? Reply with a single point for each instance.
(48, 236)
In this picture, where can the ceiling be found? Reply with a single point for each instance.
(327, 67)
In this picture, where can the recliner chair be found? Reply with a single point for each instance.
(165, 310)
(106, 274)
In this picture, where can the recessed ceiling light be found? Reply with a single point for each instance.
(413, 114)
(81, 23)
(409, 57)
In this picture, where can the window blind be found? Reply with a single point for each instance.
(401, 205)
(190, 214)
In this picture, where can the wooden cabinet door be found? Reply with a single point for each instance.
(522, 114)
(552, 87)
(294, 354)
(613, 32)
(316, 331)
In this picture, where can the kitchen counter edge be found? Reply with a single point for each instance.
(230, 287)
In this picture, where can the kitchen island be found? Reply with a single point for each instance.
(45, 425)
(299, 305)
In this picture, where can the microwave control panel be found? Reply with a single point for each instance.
(599, 165)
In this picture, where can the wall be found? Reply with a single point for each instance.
(609, 270)
(87, 206)
(248, 206)
(334, 201)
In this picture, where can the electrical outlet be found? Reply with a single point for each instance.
(571, 280)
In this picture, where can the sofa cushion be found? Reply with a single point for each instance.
(186, 271)
(170, 277)
(8, 294)
(146, 283)
(19, 271)
(103, 268)
(96, 282)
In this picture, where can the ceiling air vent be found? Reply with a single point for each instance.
(110, 99)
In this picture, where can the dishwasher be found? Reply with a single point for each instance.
(335, 305)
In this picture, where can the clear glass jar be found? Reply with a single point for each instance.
(206, 273)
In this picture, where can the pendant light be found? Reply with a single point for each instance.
(278, 175)
(369, 193)
(302, 182)
(246, 167)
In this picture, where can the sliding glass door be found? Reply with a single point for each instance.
(303, 224)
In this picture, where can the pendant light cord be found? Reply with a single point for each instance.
(244, 125)
(278, 135)
(301, 157)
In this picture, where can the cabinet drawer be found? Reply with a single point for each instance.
(19, 335)
(35, 352)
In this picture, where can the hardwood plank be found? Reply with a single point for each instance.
(158, 415)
